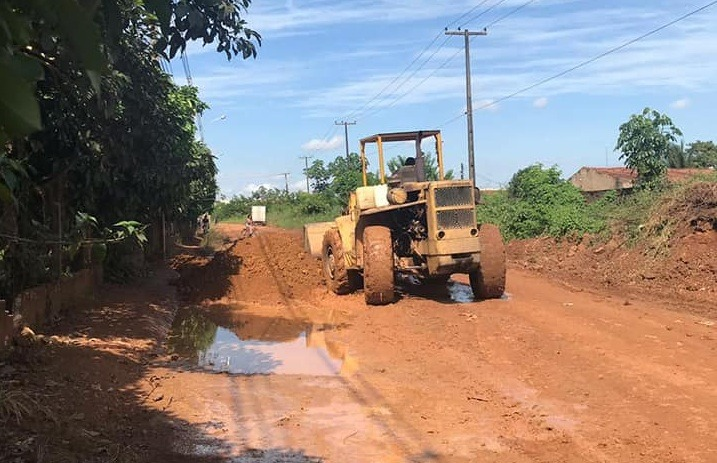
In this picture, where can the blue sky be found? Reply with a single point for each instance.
(326, 60)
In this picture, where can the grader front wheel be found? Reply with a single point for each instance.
(378, 265)
(337, 276)
(488, 282)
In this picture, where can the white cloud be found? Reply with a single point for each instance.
(323, 145)
(684, 103)
(299, 185)
(540, 103)
(536, 47)
(252, 187)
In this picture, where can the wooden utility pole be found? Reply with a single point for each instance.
(286, 181)
(306, 170)
(469, 99)
(346, 134)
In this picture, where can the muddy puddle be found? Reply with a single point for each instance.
(246, 344)
(452, 292)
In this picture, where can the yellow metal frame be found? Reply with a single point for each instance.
(400, 136)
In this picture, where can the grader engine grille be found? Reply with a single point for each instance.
(458, 218)
(454, 196)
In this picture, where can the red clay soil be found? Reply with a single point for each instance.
(550, 373)
(687, 275)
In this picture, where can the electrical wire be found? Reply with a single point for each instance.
(451, 58)
(368, 105)
(600, 56)
(510, 13)
(467, 13)
(486, 11)
(353, 114)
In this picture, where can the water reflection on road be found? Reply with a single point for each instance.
(253, 345)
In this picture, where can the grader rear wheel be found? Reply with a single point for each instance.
(334, 264)
(378, 265)
(488, 282)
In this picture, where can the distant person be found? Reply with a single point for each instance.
(205, 223)
(248, 227)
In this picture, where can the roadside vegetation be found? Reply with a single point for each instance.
(330, 183)
(97, 143)
(537, 201)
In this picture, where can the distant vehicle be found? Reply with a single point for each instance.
(412, 226)
(258, 215)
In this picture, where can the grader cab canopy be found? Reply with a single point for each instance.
(417, 137)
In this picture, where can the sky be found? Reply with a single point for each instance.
(387, 65)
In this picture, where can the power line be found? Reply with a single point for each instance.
(584, 63)
(486, 11)
(421, 82)
(407, 79)
(511, 13)
(467, 13)
(600, 56)
(368, 105)
(395, 79)
(447, 61)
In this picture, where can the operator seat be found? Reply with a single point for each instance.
(407, 173)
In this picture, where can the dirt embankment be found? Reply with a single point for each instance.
(674, 255)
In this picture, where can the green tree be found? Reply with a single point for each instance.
(703, 154)
(678, 157)
(89, 122)
(318, 175)
(644, 142)
(430, 166)
(35, 34)
(346, 176)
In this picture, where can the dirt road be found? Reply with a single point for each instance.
(548, 374)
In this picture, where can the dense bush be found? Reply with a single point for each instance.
(539, 202)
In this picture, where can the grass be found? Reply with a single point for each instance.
(290, 217)
(286, 217)
(16, 405)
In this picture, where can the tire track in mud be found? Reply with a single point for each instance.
(549, 375)
(407, 440)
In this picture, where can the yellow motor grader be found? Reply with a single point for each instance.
(409, 225)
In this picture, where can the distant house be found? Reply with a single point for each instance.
(596, 181)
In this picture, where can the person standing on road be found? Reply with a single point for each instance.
(248, 227)
(205, 223)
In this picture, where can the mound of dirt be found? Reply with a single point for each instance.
(281, 259)
(692, 209)
(688, 274)
(675, 256)
(206, 277)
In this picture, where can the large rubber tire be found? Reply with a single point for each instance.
(334, 263)
(378, 276)
(488, 282)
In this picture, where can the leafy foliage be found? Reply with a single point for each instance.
(539, 202)
(37, 34)
(703, 154)
(644, 142)
(91, 127)
(339, 178)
